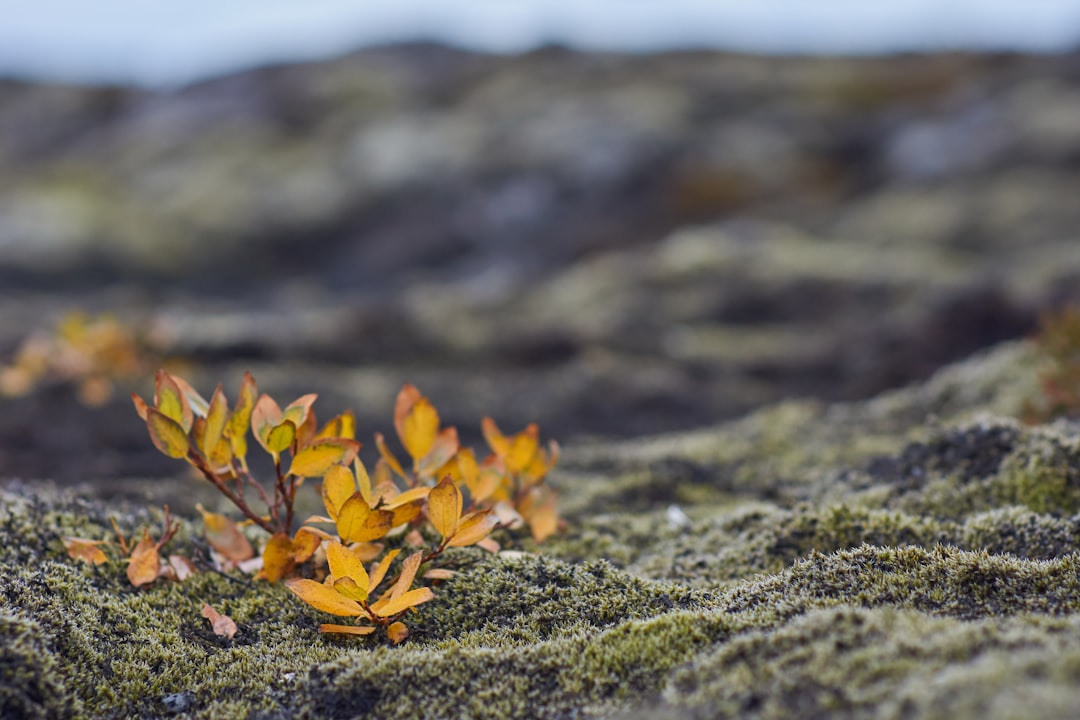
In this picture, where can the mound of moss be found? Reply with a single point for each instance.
(861, 560)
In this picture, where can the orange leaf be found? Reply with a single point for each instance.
(85, 550)
(397, 632)
(140, 406)
(305, 543)
(382, 568)
(347, 629)
(408, 397)
(523, 448)
(357, 522)
(316, 459)
(322, 597)
(439, 574)
(344, 564)
(305, 431)
(408, 575)
(444, 507)
(473, 528)
(388, 457)
(541, 514)
(298, 409)
(166, 434)
(338, 486)
(350, 589)
(419, 428)
(442, 450)
(495, 439)
(144, 565)
(277, 558)
(222, 624)
(389, 608)
(224, 536)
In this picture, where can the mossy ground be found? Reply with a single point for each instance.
(851, 560)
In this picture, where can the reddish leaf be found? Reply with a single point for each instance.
(223, 625)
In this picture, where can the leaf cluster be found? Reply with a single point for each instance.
(1058, 341)
(442, 497)
(90, 352)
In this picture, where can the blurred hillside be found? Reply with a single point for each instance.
(605, 244)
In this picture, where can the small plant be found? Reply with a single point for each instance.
(1058, 341)
(90, 352)
(445, 499)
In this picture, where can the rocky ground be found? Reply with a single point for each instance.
(705, 274)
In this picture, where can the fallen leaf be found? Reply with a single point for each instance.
(222, 624)
(85, 550)
(397, 632)
(144, 565)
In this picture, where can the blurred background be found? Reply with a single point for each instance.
(611, 218)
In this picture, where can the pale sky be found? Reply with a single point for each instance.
(161, 43)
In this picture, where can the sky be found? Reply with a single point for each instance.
(155, 43)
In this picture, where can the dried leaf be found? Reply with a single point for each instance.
(194, 400)
(144, 565)
(298, 409)
(85, 550)
(182, 567)
(397, 632)
(265, 415)
(347, 629)
(357, 522)
(223, 625)
(316, 459)
(305, 543)
(224, 536)
(322, 597)
(343, 426)
(389, 608)
(277, 558)
(167, 435)
(494, 437)
(523, 448)
(439, 574)
(442, 450)
(444, 507)
(420, 428)
(140, 406)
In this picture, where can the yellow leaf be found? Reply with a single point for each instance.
(217, 415)
(357, 522)
(324, 598)
(444, 507)
(277, 558)
(344, 564)
(368, 551)
(408, 397)
(338, 486)
(170, 401)
(390, 608)
(441, 452)
(190, 395)
(495, 439)
(350, 589)
(224, 536)
(166, 434)
(144, 565)
(220, 457)
(305, 431)
(316, 459)
(473, 528)
(388, 457)
(241, 416)
(408, 512)
(305, 543)
(222, 624)
(85, 550)
(408, 575)
(523, 449)
(363, 481)
(397, 632)
(420, 427)
(280, 438)
(347, 629)
(539, 510)
(298, 409)
(343, 426)
(382, 568)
